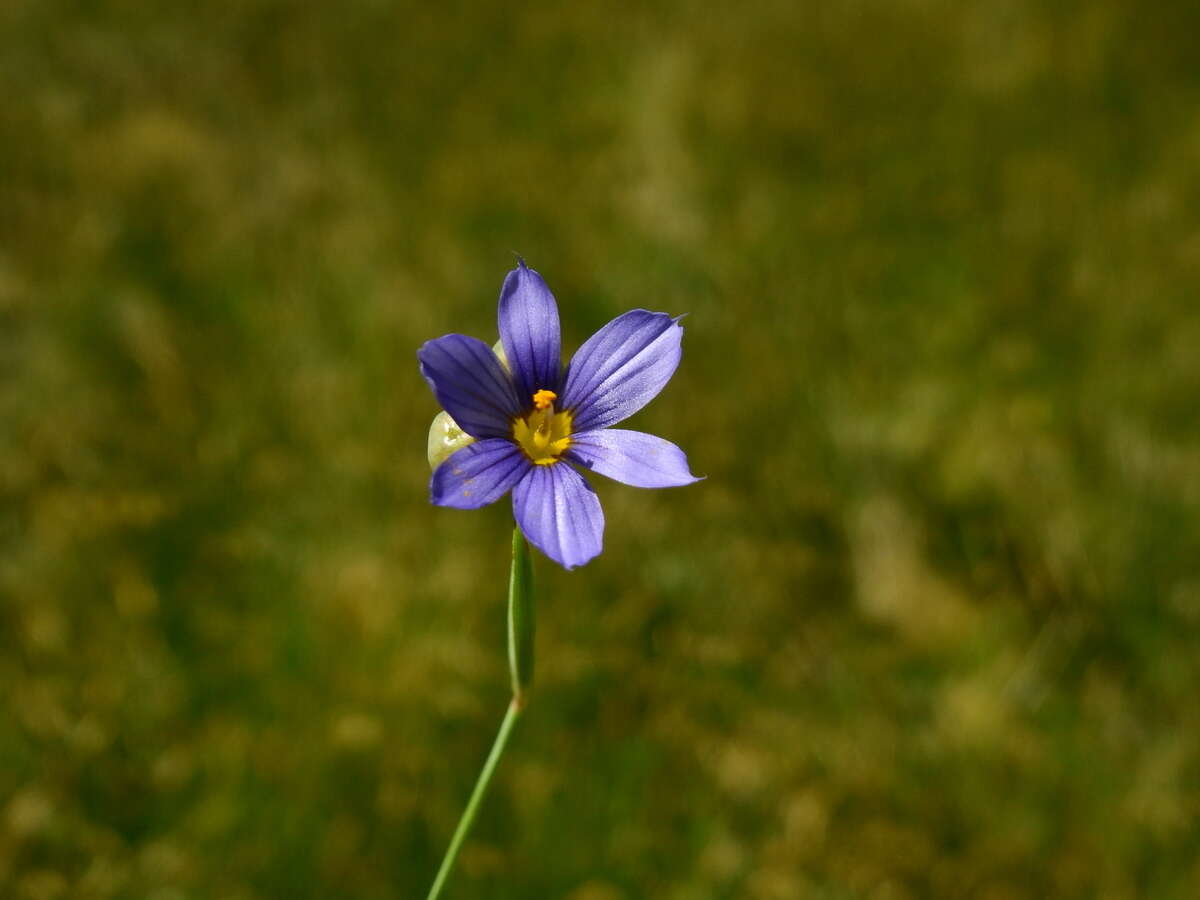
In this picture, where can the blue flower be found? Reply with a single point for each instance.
(531, 418)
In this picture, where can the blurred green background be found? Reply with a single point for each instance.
(929, 628)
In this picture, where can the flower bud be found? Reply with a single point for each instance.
(498, 349)
(445, 437)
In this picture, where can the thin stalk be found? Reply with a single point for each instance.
(520, 664)
(481, 786)
(521, 619)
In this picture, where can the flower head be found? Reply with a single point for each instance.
(532, 421)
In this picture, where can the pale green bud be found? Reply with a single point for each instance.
(498, 349)
(445, 436)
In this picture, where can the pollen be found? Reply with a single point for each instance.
(544, 435)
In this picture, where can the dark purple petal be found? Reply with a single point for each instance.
(529, 330)
(478, 474)
(470, 384)
(631, 457)
(560, 514)
(621, 368)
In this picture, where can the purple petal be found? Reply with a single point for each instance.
(621, 368)
(478, 474)
(529, 330)
(470, 384)
(631, 457)
(560, 514)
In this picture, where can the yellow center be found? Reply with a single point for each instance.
(544, 435)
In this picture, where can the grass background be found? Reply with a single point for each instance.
(928, 629)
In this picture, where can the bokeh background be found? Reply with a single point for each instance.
(929, 628)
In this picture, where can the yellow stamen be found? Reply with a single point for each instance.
(544, 435)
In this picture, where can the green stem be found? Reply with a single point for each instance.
(520, 664)
(521, 623)
(481, 786)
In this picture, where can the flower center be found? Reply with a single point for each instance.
(544, 435)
